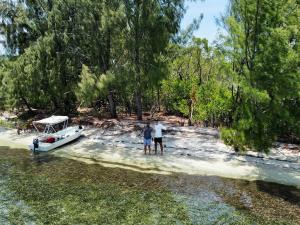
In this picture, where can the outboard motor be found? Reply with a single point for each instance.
(35, 144)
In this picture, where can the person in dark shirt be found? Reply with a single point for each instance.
(147, 138)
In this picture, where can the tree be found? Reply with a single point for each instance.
(150, 25)
(23, 22)
(264, 49)
(197, 86)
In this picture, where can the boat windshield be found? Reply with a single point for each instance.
(51, 129)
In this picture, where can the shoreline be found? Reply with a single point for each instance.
(189, 150)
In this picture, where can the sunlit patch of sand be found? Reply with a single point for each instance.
(134, 159)
(212, 158)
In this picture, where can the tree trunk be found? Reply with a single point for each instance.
(27, 105)
(138, 94)
(106, 66)
(191, 109)
(128, 106)
(112, 105)
(158, 98)
(55, 103)
(137, 37)
(138, 102)
(213, 120)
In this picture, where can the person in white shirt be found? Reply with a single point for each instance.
(158, 136)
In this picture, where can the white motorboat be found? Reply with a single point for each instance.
(56, 133)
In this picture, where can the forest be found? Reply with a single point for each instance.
(130, 56)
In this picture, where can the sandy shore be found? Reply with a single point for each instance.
(188, 150)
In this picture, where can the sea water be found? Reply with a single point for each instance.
(44, 189)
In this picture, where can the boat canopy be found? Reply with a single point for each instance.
(52, 120)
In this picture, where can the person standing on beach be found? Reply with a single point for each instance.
(158, 136)
(147, 138)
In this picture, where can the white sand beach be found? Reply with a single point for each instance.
(189, 150)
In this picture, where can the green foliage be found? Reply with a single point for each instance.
(265, 55)
(53, 39)
(131, 55)
(87, 87)
(213, 99)
(6, 124)
(197, 85)
(92, 87)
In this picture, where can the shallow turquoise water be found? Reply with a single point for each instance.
(42, 189)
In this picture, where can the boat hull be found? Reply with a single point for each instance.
(45, 147)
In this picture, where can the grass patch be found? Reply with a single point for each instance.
(7, 124)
